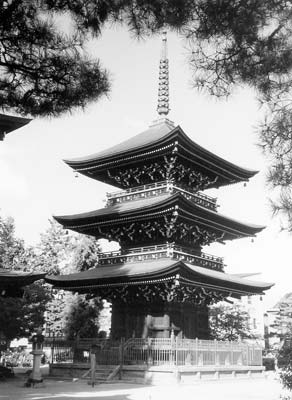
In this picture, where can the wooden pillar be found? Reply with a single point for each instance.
(166, 323)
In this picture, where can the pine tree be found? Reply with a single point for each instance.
(43, 70)
(242, 42)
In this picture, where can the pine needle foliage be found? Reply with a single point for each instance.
(46, 72)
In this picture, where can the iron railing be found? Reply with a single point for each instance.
(154, 351)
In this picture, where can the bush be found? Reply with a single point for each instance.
(6, 372)
(284, 357)
(286, 377)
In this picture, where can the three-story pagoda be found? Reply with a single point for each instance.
(160, 281)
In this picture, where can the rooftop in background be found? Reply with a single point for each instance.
(12, 282)
(9, 123)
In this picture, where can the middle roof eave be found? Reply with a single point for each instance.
(162, 204)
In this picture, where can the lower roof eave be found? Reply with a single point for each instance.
(157, 271)
(230, 291)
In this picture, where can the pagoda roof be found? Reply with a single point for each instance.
(157, 206)
(148, 137)
(18, 277)
(9, 123)
(155, 271)
(159, 137)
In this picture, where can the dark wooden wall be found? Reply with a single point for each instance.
(159, 320)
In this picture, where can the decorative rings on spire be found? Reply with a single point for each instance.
(163, 84)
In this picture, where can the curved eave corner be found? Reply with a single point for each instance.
(256, 287)
(197, 149)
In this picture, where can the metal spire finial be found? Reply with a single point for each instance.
(163, 85)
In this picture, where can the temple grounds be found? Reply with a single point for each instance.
(241, 389)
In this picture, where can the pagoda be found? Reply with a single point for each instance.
(160, 282)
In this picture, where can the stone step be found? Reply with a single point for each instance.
(77, 371)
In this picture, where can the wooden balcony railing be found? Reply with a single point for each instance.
(162, 251)
(158, 188)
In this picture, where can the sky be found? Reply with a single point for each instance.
(36, 184)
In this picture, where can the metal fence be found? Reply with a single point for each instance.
(154, 351)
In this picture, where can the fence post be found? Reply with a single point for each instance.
(176, 351)
(260, 351)
(53, 348)
(172, 348)
(92, 367)
(246, 358)
(216, 352)
(228, 355)
(239, 359)
(121, 357)
(149, 356)
(249, 355)
(200, 355)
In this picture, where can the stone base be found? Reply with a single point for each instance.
(33, 382)
(156, 375)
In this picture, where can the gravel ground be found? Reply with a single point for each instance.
(239, 389)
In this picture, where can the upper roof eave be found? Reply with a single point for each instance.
(150, 138)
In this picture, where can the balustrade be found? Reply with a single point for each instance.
(162, 251)
(156, 351)
(159, 188)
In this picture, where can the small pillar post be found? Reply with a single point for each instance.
(37, 352)
(92, 367)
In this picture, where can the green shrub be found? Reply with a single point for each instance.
(286, 377)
